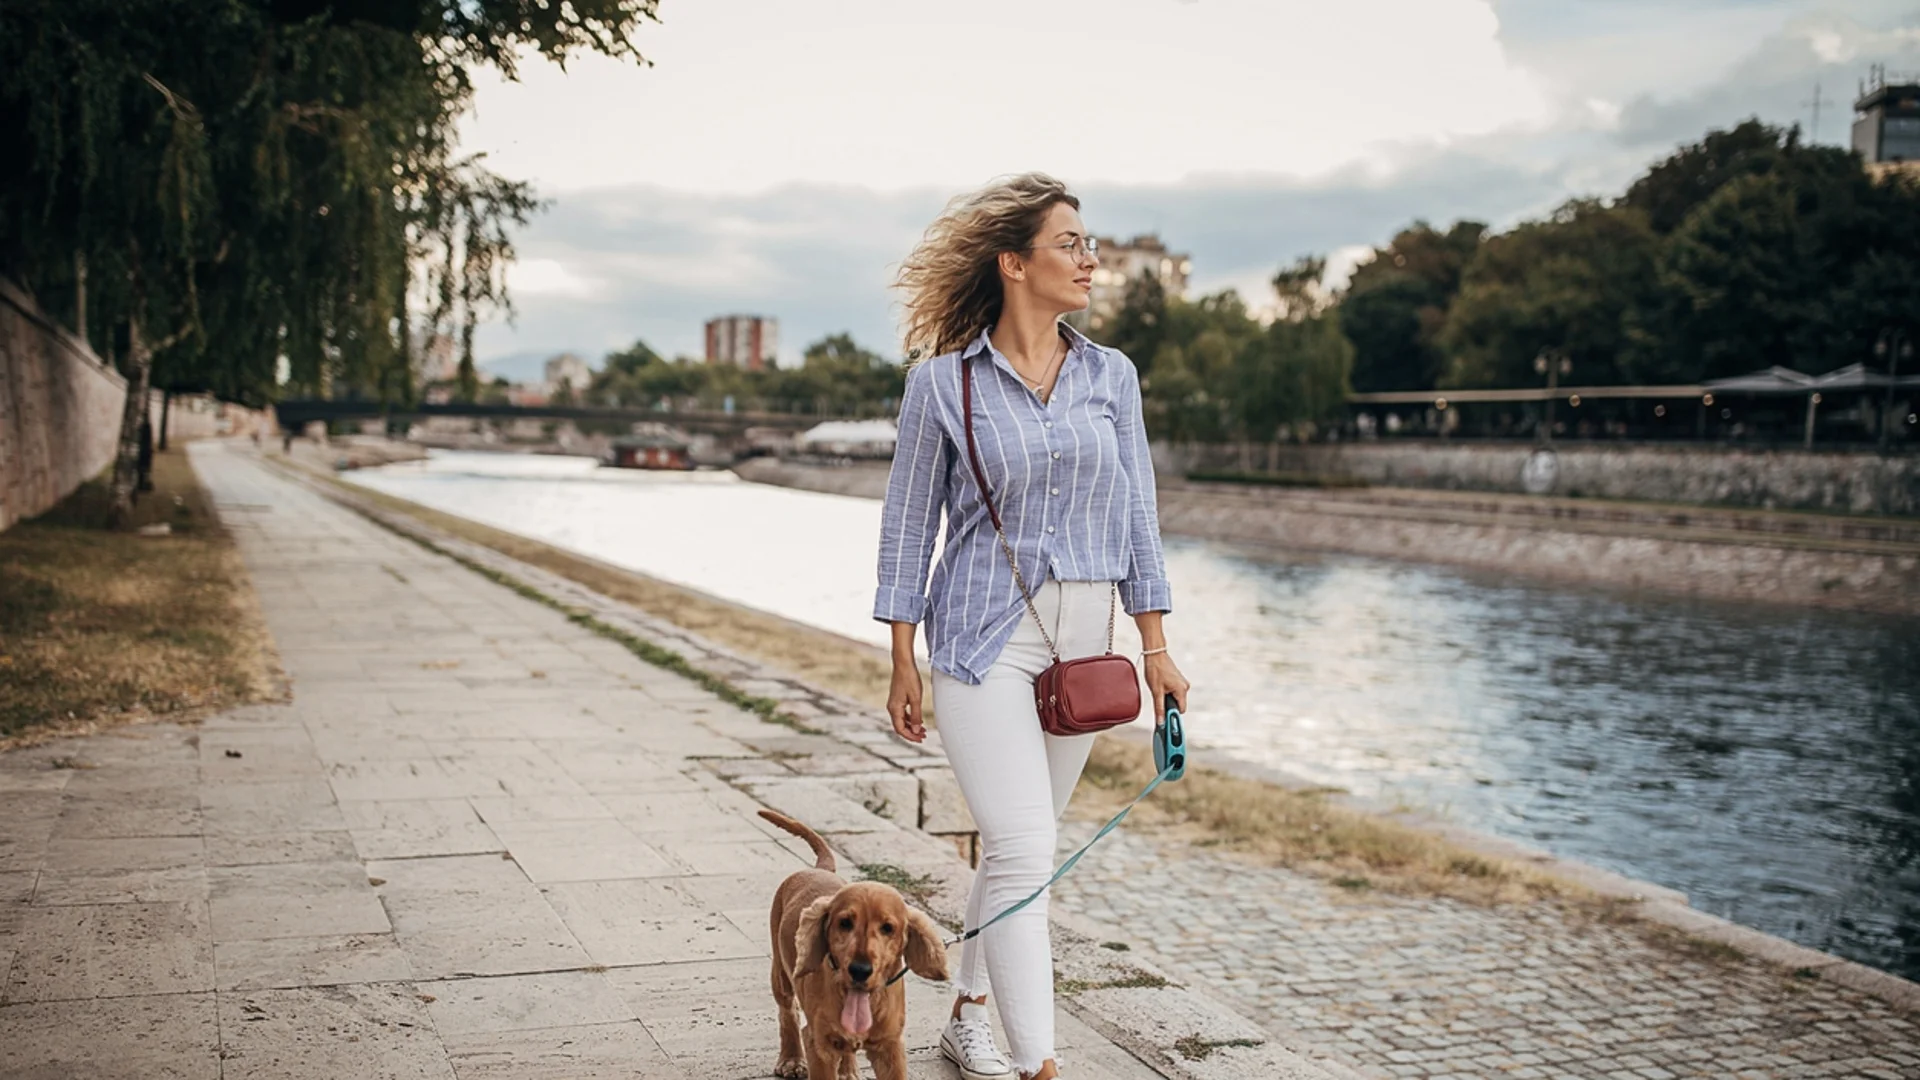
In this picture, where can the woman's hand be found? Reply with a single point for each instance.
(1164, 678)
(903, 702)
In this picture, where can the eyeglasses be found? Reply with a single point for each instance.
(1079, 249)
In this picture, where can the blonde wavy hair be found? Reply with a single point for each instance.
(951, 281)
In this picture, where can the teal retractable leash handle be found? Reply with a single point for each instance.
(1169, 758)
(1170, 742)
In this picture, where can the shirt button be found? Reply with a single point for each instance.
(1056, 455)
(1049, 423)
(1055, 491)
(1049, 528)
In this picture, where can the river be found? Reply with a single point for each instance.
(1764, 760)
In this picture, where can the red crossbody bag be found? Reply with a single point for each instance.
(1074, 697)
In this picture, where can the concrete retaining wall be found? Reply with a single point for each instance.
(60, 409)
(1773, 567)
(1844, 481)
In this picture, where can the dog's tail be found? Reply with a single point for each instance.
(822, 856)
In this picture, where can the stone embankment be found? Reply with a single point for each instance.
(1860, 563)
(355, 451)
(1835, 481)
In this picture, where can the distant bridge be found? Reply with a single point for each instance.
(296, 413)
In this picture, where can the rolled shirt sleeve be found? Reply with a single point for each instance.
(1145, 588)
(916, 494)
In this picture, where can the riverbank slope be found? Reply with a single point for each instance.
(1855, 563)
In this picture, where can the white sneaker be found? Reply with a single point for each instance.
(968, 1043)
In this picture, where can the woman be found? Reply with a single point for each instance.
(1057, 423)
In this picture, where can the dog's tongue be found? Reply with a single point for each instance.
(856, 1015)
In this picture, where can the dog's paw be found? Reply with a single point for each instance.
(791, 1069)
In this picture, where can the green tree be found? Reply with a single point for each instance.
(1139, 327)
(1295, 373)
(227, 183)
(1396, 303)
(1767, 270)
(1690, 176)
(1189, 392)
(1568, 283)
(838, 377)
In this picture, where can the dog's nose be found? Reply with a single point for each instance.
(859, 970)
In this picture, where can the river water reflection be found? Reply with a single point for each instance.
(1766, 761)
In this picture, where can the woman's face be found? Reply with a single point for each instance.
(1058, 270)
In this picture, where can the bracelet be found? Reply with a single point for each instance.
(1151, 652)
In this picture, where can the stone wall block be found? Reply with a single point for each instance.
(943, 810)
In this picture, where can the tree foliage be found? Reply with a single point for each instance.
(230, 185)
(1211, 371)
(1565, 284)
(1396, 304)
(837, 377)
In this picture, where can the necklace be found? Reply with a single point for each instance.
(1037, 387)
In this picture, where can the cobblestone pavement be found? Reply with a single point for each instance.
(1405, 987)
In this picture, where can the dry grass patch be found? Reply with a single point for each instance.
(1306, 830)
(98, 625)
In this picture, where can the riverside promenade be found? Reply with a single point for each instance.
(479, 841)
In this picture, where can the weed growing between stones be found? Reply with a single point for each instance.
(1196, 1048)
(1134, 979)
(917, 888)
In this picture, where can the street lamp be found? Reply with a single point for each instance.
(1552, 364)
(1893, 345)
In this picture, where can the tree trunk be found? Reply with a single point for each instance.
(166, 417)
(80, 294)
(126, 466)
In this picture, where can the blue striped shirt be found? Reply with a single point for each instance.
(1072, 480)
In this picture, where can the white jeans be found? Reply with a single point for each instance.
(1017, 780)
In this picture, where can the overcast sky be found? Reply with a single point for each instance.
(779, 157)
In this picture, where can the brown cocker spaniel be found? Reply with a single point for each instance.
(837, 952)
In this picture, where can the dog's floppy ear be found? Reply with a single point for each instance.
(926, 947)
(810, 939)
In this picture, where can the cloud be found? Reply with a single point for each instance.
(1776, 79)
(819, 258)
(750, 95)
(773, 220)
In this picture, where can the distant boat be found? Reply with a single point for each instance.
(849, 439)
(654, 446)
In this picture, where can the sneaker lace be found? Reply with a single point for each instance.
(975, 1039)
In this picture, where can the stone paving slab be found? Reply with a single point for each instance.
(477, 843)
(1411, 987)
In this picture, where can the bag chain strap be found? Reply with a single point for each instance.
(986, 496)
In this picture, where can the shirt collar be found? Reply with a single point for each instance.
(1077, 342)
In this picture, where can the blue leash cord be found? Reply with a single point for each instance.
(1169, 753)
